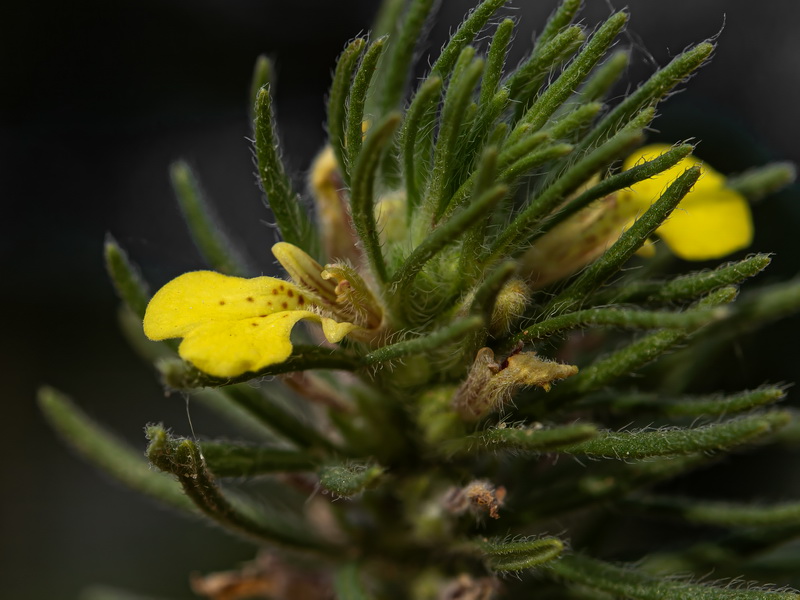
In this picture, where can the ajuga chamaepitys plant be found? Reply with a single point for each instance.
(469, 335)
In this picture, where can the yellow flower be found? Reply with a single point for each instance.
(711, 221)
(232, 325)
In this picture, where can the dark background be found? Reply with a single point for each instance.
(98, 97)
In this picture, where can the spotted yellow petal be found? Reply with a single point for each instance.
(230, 348)
(200, 297)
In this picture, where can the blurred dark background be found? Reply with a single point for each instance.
(98, 98)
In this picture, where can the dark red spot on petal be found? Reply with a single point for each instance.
(222, 302)
(300, 300)
(254, 324)
(274, 291)
(285, 305)
(290, 293)
(250, 299)
(262, 316)
(282, 287)
(269, 302)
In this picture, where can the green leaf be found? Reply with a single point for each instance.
(347, 583)
(465, 34)
(362, 192)
(521, 555)
(609, 185)
(101, 448)
(759, 182)
(627, 445)
(239, 460)
(688, 286)
(721, 514)
(263, 72)
(424, 343)
(689, 406)
(626, 246)
(394, 77)
(348, 480)
(183, 459)
(356, 100)
(289, 214)
(514, 237)
(626, 582)
(128, 282)
(521, 439)
(650, 92)
(337, 101)
(557, 92)
(211, 240)
(415, 142)
(180, 375)
(620, 317)
(448, 232)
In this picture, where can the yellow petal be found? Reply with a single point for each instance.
(201, 297)
(230, 348)
(648, 191)
(334, 331)
(713, 225)
(710, 222)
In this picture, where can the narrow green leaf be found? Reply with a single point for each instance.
(484, 178)
(620, 317)
(605, 76)
(276, 418)
(627, 445)
(416, 137)
(180, 375)
(263, 73)
(617, 182)
(239, 460)
(183, 459)
(757, 183)
(337, 101)
(522, 228)
(518, 556)
(522, 439)
(721, 514)
(465, 34)
(557, 92)
(692, 406)
(525, 81)
(561, 17)
(424, 343)
(394, 78)
(568, 126)
(347, 583)
(495, 61)
(356, 100)
(457, 98)
(348, 480)
(626, 582)
(446, 233)
(650, 92)
(111, 455)
(211, 240)
(620, 363)
(362, 192)
(289, 214)
(128, 282)
(689, 286)
(628, 243)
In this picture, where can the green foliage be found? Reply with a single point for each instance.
(432, 451)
